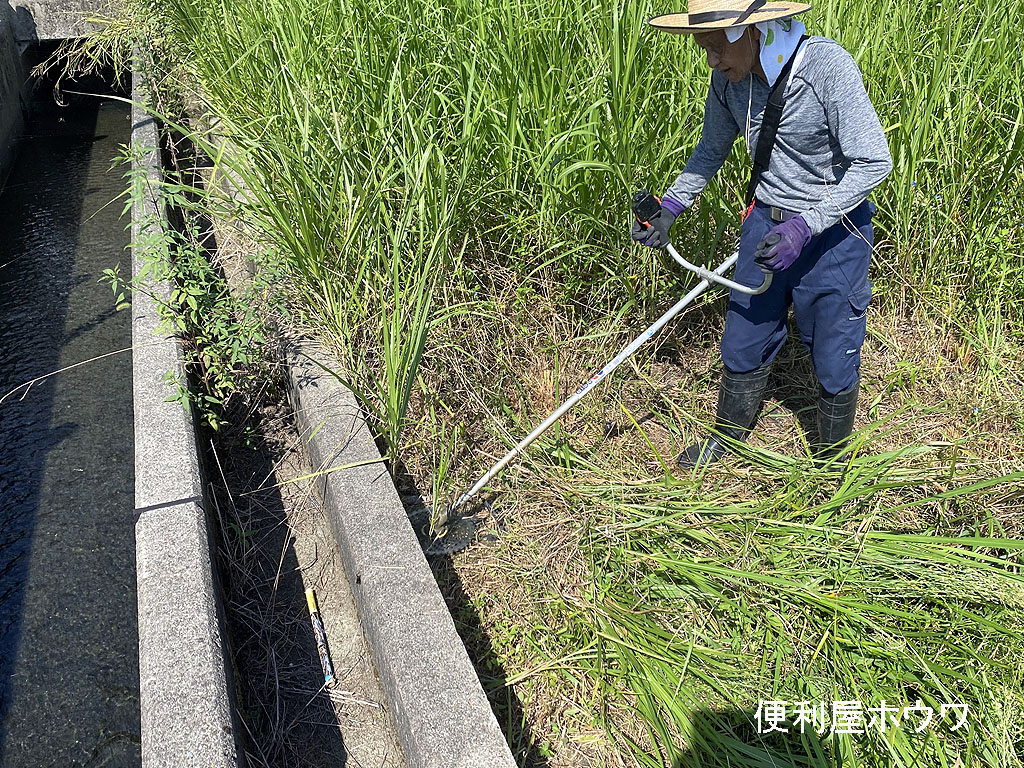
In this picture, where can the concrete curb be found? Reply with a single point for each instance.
(185, 693)
(440, 711)
(55, 19)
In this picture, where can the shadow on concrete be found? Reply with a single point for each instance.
(23, 24)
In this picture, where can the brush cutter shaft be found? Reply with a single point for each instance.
(597, 378)
(715, 277)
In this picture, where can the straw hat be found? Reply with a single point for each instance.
(709, 15)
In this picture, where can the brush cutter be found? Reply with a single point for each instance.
(457, 532)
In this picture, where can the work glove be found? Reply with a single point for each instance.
(656, 235)
(783, 244)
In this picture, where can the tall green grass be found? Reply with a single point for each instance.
(452, 136)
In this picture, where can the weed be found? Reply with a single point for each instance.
(222, 334)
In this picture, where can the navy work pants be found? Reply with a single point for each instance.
(828, 288)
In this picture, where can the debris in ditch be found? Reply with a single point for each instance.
(335, 694)
(321, 639)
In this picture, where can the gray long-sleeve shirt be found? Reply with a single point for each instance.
(830, 151)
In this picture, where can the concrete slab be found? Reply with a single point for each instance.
(441, 713)
(186, 701)
(55, 19)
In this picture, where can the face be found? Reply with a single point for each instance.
(734, 60)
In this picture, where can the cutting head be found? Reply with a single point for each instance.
(452, 534)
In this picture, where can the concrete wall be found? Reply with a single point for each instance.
(12, 76)
(440, 710)
(23, 22)
(54, 19)
(186, 691)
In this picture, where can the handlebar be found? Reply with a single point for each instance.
(712, 277)
(646, 206)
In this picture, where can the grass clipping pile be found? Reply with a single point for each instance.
(623, 612)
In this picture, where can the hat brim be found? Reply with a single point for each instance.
(679, 23)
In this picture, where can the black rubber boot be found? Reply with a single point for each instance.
(835, 421)
(739, 399)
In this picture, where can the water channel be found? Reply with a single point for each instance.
(69, 680)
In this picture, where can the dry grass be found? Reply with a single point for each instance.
(274, 542)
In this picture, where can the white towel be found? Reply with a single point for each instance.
(779, 40)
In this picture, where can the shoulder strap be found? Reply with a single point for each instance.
(770, 124)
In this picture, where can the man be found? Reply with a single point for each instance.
(810, 222)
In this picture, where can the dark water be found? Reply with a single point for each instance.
(69, 685)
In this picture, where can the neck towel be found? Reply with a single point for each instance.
(779, 41)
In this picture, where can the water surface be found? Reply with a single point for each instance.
(69, 687)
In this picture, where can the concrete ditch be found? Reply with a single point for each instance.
(186, 691)
(442, 715)
(186, 694)
(69, 678)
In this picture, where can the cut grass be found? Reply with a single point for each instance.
(601, 549)
(799, 598)
(686, 608)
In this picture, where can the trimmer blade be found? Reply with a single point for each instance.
(448, 538)
(453, 537)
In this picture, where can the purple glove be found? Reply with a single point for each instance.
(783, 244)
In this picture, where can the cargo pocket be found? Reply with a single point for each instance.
(859, 301)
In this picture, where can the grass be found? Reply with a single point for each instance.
(670, 607)
(512, 136)
(446, 183)
(808, 596)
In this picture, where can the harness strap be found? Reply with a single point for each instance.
(770, 126)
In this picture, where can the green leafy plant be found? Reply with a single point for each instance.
(222, 334)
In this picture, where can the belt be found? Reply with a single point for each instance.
(781, 214)
(776, 214)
